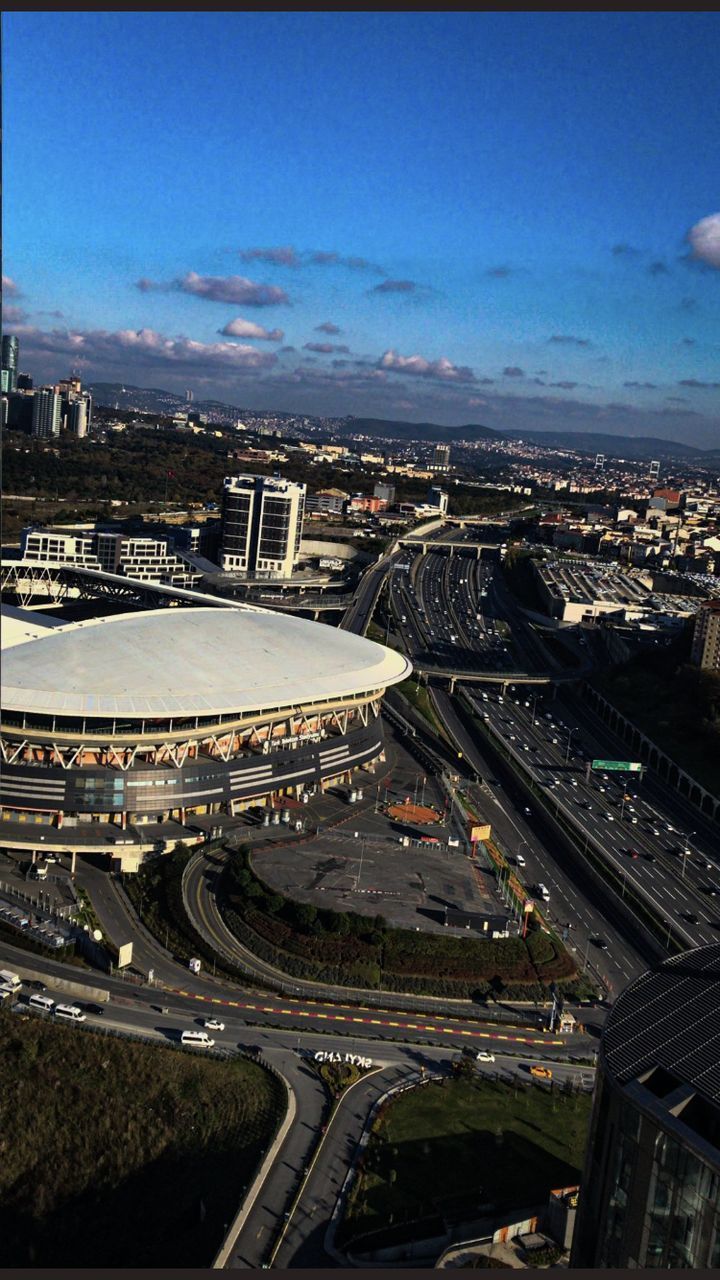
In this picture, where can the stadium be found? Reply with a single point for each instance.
(141, 722)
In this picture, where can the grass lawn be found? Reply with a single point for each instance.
(115, 1153)
(419, 697)
(449, 1148)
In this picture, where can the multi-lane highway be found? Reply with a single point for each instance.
(640, 839)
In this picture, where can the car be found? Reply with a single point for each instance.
(212, 1024)
(632, 853)
(600, 943)
(527, 809)
(484, 1056)
(97, 1010)
(542, 1073)
(34, 984)
(650, 857)
(691, 917)
(609, 817)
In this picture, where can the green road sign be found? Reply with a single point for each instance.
(625, 766)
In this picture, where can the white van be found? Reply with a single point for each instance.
(69, 1011)
(43, 1004)
(9, 979)
(200, 1039)
(520, 860)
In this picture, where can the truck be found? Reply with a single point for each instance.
(194, 966)
(9, 979)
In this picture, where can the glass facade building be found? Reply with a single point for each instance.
(650, 1194)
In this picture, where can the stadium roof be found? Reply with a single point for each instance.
(670, 1018)
(198, 661)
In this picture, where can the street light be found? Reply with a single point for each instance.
(567, 751)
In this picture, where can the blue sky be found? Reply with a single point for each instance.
(492, 210)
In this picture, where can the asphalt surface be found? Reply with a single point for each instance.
(557, 754)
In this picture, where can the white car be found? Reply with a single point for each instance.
(484, 1056)
(212, 1024)
(609, 817)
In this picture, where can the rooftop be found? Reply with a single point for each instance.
(196, 661)
(670, 1018)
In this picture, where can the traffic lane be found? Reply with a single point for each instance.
(607, 801)
(613, 840)
(688, 817)
(390, 1041)
(254, 1243)
(303, 1242)
(517, 835)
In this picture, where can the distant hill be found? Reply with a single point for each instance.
(613, 446)
(395, 430)
(122, 395)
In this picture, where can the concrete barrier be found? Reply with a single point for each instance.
(80, 989)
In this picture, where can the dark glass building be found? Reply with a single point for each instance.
(650, 1194)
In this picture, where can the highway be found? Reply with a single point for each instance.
(451, 609)
(639, 837)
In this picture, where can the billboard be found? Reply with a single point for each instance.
(480, 831)
(124, 955)
(625, 766)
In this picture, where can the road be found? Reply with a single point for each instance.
(638, 836)
(300, 1193)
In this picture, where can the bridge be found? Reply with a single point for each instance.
(504, 678)
(446, 544)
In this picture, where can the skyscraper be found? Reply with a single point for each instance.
(10, 352)
(261, 525)
(649, 1193)
(46, 413)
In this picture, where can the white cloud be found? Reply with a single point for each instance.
(419, 367)
(704, 240)
(240, 328)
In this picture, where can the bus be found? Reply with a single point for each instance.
(69, 1011)
(43, 1004)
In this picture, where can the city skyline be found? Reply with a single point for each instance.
(506, 219)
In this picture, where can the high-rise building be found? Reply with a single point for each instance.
(77, 417)
(46, 413)
(649, 1193)
(706, 637)
(441, 457)
(437, 497)
(10, 352)
(261, 525)
(24, 382)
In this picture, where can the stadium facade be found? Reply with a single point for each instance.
(145, 719)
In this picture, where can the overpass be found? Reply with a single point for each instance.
(504, 678)
(446, 544)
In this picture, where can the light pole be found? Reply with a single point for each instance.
(567, 750)
(534, 705)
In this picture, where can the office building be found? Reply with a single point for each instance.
(650, 1194)
(327, 502)
(46, 408)
(261, 526)
(706, 637)
(10, 352)
(145, 559)
(437, 497)
(441, 457)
